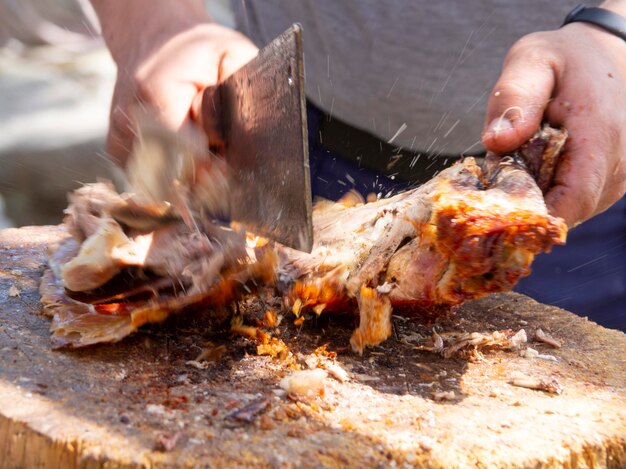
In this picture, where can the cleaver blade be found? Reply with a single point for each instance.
(262, 111)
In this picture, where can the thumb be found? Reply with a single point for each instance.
(205, 111)
(518, 100)
(238, 54)
(205, 108)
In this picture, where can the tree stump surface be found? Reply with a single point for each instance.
(144, 402)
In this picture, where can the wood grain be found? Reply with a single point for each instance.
(139, 404)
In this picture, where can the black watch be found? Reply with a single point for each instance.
(605, 19)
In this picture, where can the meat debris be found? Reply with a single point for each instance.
(137, 258)
(471, 345)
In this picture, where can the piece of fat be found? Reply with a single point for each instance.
(305, 382)
(94, 264)
(375, 319)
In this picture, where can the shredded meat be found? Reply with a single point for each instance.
(472, 230)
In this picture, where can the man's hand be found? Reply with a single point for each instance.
(574, 77)
(167, 52)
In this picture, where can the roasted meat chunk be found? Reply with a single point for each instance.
(472, 230)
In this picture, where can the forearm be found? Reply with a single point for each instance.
(127, 24)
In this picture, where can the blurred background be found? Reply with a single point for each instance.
(56, 80)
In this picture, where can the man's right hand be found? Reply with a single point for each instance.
(167, 53)
(574, 77)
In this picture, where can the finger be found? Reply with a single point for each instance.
(205, 111)
(580, 177)
(615, 186)
(206, 107)
(238, 54)
(519, 98)
(170, 97)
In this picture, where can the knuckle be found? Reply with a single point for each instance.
(148, 86)
(144, 90)
(526, 45)
(535, 49)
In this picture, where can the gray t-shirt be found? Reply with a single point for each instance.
(425, 66)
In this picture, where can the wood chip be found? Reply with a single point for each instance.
(197, 364)
(550, 385)
(529, 353)
(437, 341)
(14, 291)
(541, 336)
(532, 353)
(266, 422)
(471, 344)
(167, 442)
(335, 370)
(443, 396)
(212, 354)
(365, 378)
(249, 412)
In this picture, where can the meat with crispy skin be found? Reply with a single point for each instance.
(466, 233)
(470, 231)
(119, 277)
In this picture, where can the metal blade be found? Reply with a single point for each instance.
(263, 119)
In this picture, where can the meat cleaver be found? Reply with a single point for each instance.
(262, 121)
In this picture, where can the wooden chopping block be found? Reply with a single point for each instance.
(145, 402)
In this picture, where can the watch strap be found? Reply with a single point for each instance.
(605, 19)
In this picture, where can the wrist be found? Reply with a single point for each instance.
(132, 29)
(616, 6)
(605, 25)
(606, 18)
(592, 27)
